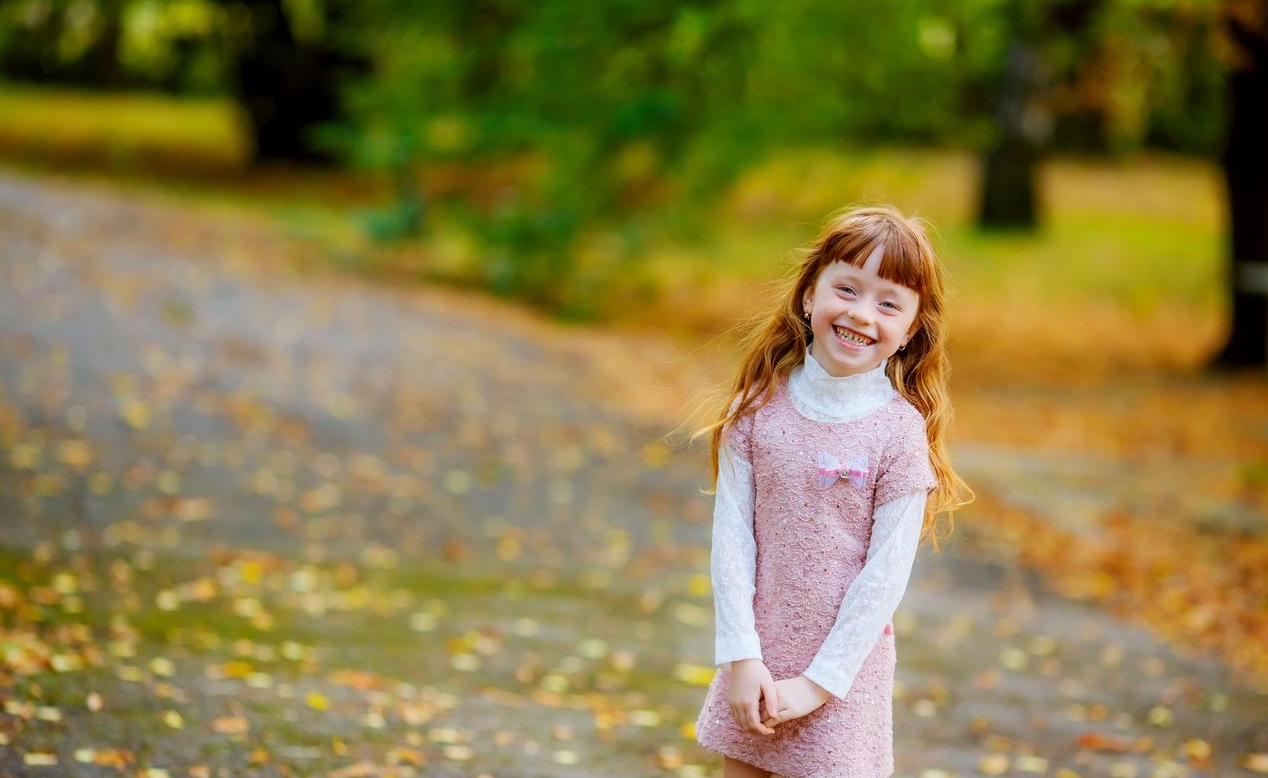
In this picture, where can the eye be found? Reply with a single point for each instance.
(891, 304)
(846, 289)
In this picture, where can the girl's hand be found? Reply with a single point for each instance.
(797, 697)
(750, 682)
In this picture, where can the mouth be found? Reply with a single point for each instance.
(851, 337)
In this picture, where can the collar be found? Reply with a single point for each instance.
(823, 397)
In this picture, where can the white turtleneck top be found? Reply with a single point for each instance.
(872, 597)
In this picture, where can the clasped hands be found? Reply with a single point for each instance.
(760, 703)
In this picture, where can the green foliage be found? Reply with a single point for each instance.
(615, 109)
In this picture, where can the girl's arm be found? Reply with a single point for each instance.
(733, 566)
(733, 561)
(873, 596)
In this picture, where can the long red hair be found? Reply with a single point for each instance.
(777, 341)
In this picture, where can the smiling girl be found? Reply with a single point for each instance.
(830, 466)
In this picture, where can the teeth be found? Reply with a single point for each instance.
(852, 338)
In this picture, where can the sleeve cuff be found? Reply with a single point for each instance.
(837, 687)
(734, 649)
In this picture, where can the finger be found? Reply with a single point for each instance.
(751, 715)
(755, 721)
(772, 698)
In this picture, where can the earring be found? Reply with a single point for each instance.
(903, 347)
(807, 315)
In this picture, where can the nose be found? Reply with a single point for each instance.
(859, 315)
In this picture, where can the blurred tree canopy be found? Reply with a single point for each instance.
(602, 110)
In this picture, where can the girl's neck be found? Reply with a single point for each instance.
(823, 397)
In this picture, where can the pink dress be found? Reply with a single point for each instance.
(812, 542)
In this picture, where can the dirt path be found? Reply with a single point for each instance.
(257, 522)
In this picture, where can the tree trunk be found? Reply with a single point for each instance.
(1245, 162)
(286, 86)
(1008, 196)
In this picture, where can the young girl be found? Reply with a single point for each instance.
(830, 466)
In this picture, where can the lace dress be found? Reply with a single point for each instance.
(807, 575)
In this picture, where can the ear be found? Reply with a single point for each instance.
(805, 301)
(911, 332)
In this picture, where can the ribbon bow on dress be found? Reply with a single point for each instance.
(830, 469)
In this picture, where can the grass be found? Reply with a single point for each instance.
(126, 131)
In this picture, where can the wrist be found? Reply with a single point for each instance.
(819, 691)
(738, 663)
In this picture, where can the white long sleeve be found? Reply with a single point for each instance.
(874, 594)
(733, 561)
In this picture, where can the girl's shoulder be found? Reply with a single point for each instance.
(762, 402)
(906, 422)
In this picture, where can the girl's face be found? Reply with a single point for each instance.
(858, 318)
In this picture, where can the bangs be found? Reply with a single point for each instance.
(907, 258)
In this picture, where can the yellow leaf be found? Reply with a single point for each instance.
(458, 753)
(40, 758)
(565, 757)
(993, 764)
(355, 770)
(593, 648)
(1256, 763)
(403, 755)
(113, 757)
(173, 719)
(699, 585)
(317, 701)
(696, 675)
(251, 572)
(75, 453)
(466, 663)
(230, 725)
(136, 414)
(1032, 764)
(508, 549)
(198, 509)
(645, 718)
(163, 666)
(447, 735)
(65, 663)
(1160, 716)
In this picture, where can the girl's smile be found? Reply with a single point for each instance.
(852, 338)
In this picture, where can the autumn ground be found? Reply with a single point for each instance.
(261, 519)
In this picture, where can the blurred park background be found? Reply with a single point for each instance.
(348, 352)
